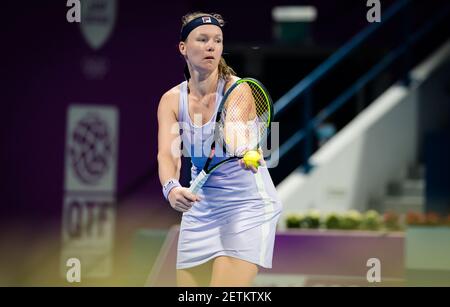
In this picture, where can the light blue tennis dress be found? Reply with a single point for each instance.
(239, 210)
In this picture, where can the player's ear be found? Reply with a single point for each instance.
(182, 48)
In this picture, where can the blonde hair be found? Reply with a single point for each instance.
(225, 71)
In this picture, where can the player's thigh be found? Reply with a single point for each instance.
(232, 272)
(198, 276)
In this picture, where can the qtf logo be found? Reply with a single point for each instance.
(91, 149)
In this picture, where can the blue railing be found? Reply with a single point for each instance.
(304, 87)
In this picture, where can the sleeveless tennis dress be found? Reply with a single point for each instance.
(239, 210)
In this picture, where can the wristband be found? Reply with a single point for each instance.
(168, 186)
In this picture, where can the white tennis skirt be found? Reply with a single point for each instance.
(236, 217)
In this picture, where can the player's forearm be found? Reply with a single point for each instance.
(168, 168)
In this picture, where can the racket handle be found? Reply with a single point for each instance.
(198, 182)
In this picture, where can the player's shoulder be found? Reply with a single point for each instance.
(171, 95)
(169, 100)
(230, 82)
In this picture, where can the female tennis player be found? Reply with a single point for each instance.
(227, 228)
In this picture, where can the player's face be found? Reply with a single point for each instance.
(203, 47)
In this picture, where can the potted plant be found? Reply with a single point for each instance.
(294, 220)
(351, 220)
(312, 220)
(371, 220)
(332, 221)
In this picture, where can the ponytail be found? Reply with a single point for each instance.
(225, 71)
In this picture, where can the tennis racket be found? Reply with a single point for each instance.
(243, 120)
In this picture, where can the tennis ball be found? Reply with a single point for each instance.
(251, 158)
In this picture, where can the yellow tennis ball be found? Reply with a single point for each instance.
(251, 158)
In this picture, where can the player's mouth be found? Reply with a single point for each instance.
(209, 58)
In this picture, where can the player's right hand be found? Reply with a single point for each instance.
(181, 199)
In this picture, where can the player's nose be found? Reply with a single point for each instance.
(210, 46)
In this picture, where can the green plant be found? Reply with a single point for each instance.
(351, 220)
(371, 220)
(294, 220)
(332, 221)
(311, 220)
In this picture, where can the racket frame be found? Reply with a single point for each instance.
(206, 171)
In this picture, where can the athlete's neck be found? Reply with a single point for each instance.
(203, 84)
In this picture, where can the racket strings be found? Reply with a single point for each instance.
(261, 104)
(244, 118)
